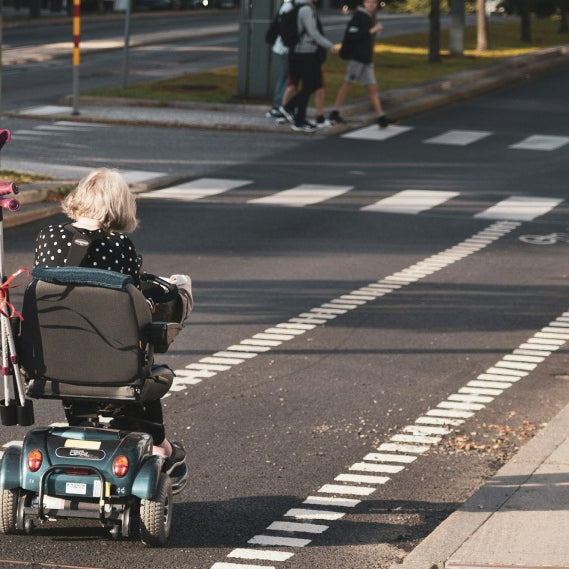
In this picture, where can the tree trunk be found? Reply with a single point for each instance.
(564, 10)
(456, 27)
(435, 32)
(481, 26)
(525, 18)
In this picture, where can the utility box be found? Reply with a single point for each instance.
(255, 79)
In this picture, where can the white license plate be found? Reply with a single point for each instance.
(75, 488)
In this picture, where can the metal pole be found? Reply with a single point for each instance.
(126, 45)
(76, 54)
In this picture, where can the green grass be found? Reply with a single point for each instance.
(19, 177)
(400, 62)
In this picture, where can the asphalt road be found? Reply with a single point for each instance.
(270, 433)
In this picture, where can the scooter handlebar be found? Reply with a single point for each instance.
(8, 188)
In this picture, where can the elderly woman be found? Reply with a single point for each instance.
(103, 209)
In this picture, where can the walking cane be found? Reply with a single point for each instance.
(17, 411)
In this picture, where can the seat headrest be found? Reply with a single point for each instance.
(82, 276)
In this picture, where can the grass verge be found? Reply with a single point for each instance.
(400, 62)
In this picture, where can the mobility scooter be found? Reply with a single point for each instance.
(85, 337)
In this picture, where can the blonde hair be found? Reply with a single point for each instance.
(103, 195)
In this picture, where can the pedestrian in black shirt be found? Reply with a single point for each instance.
(357, 48)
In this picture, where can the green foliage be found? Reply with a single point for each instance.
(400, 61)
(424, 6)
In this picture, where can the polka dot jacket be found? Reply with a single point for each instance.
(110, 251)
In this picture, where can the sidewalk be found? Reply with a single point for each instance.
(519, 518)
(398, 103)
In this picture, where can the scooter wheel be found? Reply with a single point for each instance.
(156, 515)
(9, 510)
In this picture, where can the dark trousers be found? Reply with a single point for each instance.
(304, 69)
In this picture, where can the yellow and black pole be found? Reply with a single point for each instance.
(76, 53)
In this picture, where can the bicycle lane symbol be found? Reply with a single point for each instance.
(548, 239)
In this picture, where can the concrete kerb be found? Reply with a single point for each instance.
(439, 546)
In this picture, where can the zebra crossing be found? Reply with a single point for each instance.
(58, 128)
(407, 202)
(453, 137)
(458, 137)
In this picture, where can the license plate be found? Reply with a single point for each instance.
(75, 488)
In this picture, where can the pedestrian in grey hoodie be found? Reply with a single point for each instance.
(305, 64)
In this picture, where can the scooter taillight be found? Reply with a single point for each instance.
(35, 459)
(120, 465)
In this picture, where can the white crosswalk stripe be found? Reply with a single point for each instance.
(410, 201)
(541, 142)
(458, 137)
(197, 189)
(519, 208)
(376, 133)
(305, 194)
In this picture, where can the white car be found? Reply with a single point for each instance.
(494, 7)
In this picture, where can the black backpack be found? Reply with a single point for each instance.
(288, 26)
(272, 33)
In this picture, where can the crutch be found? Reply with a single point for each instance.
(17, 410)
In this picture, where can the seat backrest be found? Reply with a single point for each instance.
(84, 326)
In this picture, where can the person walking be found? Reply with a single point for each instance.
(280, 51)
(305, 63)
(357, 48)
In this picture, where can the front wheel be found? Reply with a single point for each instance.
(9, 510)
(156, 515)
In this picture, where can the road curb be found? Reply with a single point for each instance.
(440, 545)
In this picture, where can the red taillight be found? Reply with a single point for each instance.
(120, 465)
(35, 459)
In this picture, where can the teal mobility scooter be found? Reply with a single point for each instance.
(87, 338)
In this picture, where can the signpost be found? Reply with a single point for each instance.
(76, 54)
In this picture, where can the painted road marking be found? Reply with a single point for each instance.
(458, 137)
(375, 133)
(272, 337)
(541, 142)
(520, 208)
(197, 189)
(264, 554)
(305, 194)
(410, 201)
(422, 431)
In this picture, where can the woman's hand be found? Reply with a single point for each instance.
(184, 284)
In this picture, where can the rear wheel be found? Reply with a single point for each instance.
(156, 515)
(9, 510)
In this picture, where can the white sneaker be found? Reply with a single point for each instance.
(304, 127)
(287, 115)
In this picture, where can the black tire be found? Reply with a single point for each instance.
(156, 515)
(9, 510)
